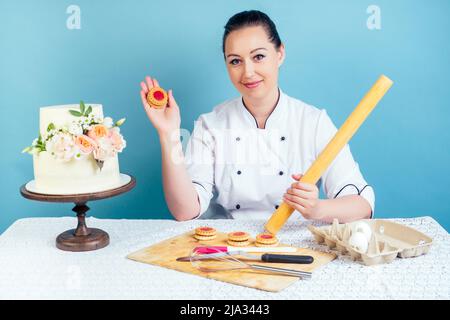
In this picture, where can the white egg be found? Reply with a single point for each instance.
(364, 228)
(358, 241)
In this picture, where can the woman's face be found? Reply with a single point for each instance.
(253, 61)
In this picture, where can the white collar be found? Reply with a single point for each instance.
(274, 118)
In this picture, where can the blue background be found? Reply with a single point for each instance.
(332, 60)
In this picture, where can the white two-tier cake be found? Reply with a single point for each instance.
(77, 151)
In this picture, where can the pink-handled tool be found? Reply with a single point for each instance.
(208, 262)
(217, 249)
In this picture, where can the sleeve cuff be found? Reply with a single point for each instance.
(204, 198)
(366, 192)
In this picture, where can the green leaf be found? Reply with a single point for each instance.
(82, 107)
(88, 111)
(51, 126)
(75, 113)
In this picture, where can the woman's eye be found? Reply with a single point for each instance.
(234, 62)
(259, 57)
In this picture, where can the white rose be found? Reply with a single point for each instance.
(68, 153)
(62, 146)
(117, 129)
(108, 122)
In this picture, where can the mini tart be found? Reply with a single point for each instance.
(205, 231)
(204, 238)
(238, 243)
(238, 236)
(258, 244)
(157, 97)
(266, 239)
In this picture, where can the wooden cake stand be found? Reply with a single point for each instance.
(82, 238)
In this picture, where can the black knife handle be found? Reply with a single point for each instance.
(286, 258)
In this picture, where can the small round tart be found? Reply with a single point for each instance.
(238, 236)
(238, 243)
(157, 97)
(258, 244)
(266, 238)
(204, 238)
(205, 231)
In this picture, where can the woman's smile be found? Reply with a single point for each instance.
(252, 85)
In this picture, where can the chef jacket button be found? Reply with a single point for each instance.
(283, 138)
(238, 206)
(239, 172)
(281, 173)
(276, 206)
(238, 139)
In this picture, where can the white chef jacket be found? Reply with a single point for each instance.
(250, 168)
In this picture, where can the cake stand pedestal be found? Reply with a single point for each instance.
(82, 238)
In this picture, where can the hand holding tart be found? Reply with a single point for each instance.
(157, 97)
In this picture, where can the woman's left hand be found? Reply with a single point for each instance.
(303, 197)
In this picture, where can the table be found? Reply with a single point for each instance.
(31, 267)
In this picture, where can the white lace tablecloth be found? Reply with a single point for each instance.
(32, 268)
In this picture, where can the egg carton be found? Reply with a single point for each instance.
(388, 240)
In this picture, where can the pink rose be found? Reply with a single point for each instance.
(104, 149)
(85, 144)
(100, 154)
(117, 140)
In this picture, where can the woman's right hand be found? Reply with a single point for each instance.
(166, 120)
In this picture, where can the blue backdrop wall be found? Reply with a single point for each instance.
(333, 57)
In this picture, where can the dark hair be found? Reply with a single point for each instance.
(250, 19)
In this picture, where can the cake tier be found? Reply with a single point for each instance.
(60, 115)
(75, 176)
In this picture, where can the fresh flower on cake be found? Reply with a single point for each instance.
(89, 134)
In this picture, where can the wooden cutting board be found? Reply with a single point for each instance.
(165, 253)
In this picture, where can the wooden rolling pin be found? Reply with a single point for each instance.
(341, 138)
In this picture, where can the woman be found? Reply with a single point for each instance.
(250, 148)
